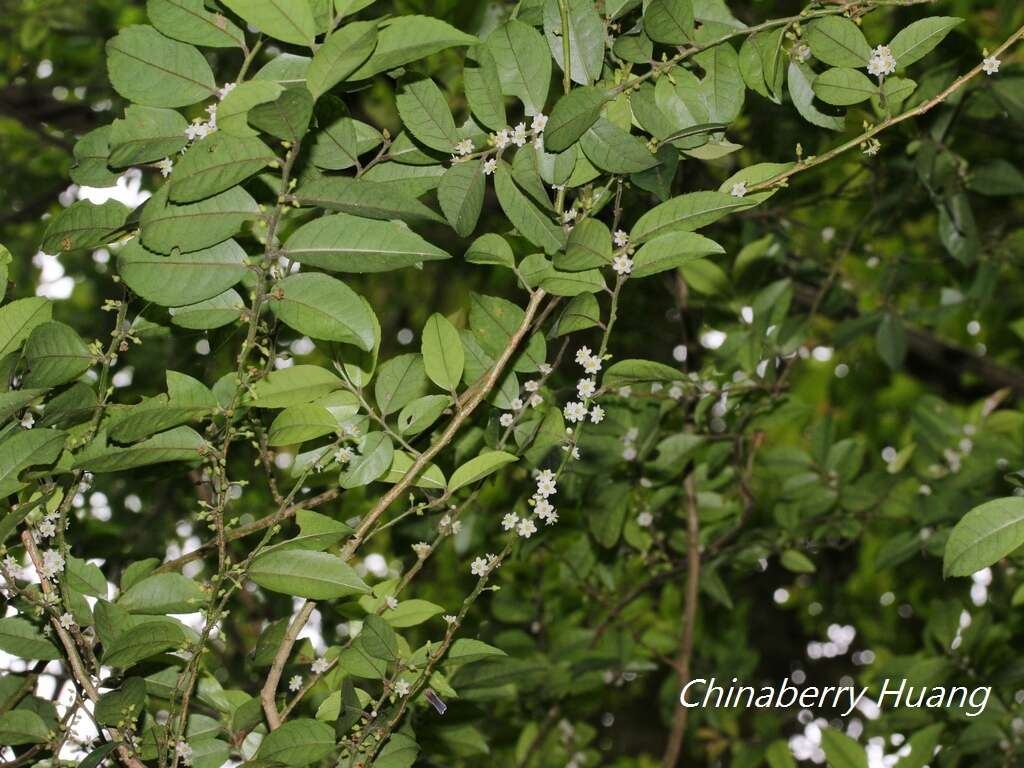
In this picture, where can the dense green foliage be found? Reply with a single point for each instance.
(451, 383)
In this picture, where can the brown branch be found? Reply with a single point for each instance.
(675, 741)
(269, 692)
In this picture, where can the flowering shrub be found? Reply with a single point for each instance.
(489, 545)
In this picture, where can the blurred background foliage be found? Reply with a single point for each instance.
(924, 240)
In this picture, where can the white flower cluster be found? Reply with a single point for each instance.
(990, 65)
(543, 509)
(482, 566)
(320, 666)
(629, 452)
(199, 129)
(47, 527)
(53, 564)
(184, 752)
(882, 62)
(402, 687)
(586, 387)
(518, 136)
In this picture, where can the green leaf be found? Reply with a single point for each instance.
(722, 88)
(400, 752)
(97, 756)
(478, 468)
(800, 78)
(524, 63)
(143, 640)
(797, 562)
(443, 357)
(917, 40)
(194, 226)
(531, 221)
(24, 640)
(425, 114)
(288, 20)
(316, 532)
(293, 386)
(25, 449)
(297, 742)
(670, 251)
(461, 195)
(494, 320)
(370, 199)
(589, 246)
(409, 38)
(686, 213)
(84, 225)
(375, 454)
(411, 613)
(483, 88)
(55, 355)
(19, 318)
(323, 307)
(401, 463)
(491, 249)
(996, 177)
(156, 71)
(614, 150)
(466, 650)
(626, 372)
(92, 155)
(983, 536)
(922, 747)
(233, 111)
(572, 116)
(213, 313)
(340, 55)
(22, 726)
(146, 134)
(303, 573)
(423, 411)
(300, 423)
(217, 163)
(85, 577)
(778, 755)
(580, 313)
(178, 444)
(843, 87)
(181, 278)
(841, 751)
(669, 21)
(838, 42)
(341, 140)
(573, 283)
(163, 593)
(586, 38)
(891, 340)
(400, 381)
(190, 22)
(287, 117)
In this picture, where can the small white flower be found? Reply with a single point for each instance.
(184, 752)
(924, 489)
(574, 412)
(28, 420)
(46, 528)
(739, 189)
(449, 619)
(391, 602)
(631, 435)
(543, 508)
(479, 567)
(546, 487)
(538, 143)
(519, 135)
(625, 391)
(620, 238)
(545, 369)
(402, 687)
(516, 404)
(644, 519)
(344, 455)
(531, 386)
(582, 355)
(502, 138)
(225, 90)
(422, 549)
(489, 166)
(53, 564)
(592, 365)
(803, 52)
(568, 217)
(320, 666)
(464, 147)
(622, 264)
(586, 388)
(509, 521)
(539, 123)
(990, 65)
(871, 147)
(535, 400)
(506, 419)
(165, 167)
(350, 430)
(67, 621)
(629, 453)
(295, 683)
(882, 62)
(596, 414)
(526, 528)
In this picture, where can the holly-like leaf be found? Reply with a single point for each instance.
(156, 71)
(524, 63)
(322, 307)
(291, 21)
